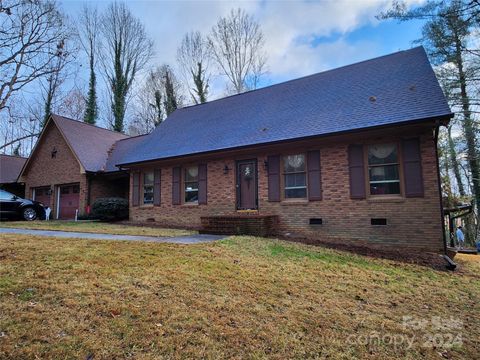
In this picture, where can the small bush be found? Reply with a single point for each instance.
(110, 209)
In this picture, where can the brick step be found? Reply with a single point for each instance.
(257, 225)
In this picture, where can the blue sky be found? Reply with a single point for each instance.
(302, 37)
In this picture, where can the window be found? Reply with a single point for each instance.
(383, 169)
(4, 195)
(191, 184)
(295, 176)
(148, 180)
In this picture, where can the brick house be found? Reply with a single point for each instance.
(344, 155)
(71, 166)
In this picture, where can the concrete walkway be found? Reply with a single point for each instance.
(187, 239)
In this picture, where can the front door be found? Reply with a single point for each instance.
(247, 185)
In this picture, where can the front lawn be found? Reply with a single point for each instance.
(95, 227)
(242, 297)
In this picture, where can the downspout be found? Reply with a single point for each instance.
(439, 180)
(89, 188)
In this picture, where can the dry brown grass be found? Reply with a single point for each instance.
(243, 297)
(95, 227)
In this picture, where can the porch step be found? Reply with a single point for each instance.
(242, 224)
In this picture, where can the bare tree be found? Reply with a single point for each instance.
(126, 51)
(31, 33)
(73, 104)
(159, 96)
(88, 37)
(193, 57)
(236, 43)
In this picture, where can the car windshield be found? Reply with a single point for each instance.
(5, 195)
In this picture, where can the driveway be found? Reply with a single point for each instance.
(188, 239)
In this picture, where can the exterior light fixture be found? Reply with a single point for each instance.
(54, 152)
(265, 164)
(226, 169)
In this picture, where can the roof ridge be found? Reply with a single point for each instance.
(92, 125)
(133, 137)
(304, 77)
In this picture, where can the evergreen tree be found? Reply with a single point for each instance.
(447, 35)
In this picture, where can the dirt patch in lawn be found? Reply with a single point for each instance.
(242, 297)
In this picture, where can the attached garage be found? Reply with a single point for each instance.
(42, 194)
(68, 201)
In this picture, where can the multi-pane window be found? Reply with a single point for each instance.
(295, 177)
(148, 180)
(191, 184)
(383, 169)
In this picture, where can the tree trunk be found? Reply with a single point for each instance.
(453, 159)
(468, 126)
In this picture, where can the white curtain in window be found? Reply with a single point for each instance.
(382, 151)
(296, 161)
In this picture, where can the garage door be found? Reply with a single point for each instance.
(42, 194)
(69, 201)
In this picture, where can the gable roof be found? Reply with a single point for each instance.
(10, 168)
(89, 144)
(392, 89)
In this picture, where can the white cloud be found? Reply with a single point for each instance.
(290, 28)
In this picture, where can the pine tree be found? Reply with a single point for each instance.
(447, 34)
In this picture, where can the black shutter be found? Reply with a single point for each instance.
(176, 188)
(157, 185)
(202, 183)
(273, 178)
(136, 189)
(314, 176)
(412, 167)
(357, 171)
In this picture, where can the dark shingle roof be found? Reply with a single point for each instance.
(120, 149)
(391, 89)
(10, 167)
(91, 144)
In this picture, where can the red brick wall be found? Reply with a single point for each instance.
(64, 168)
(412, 222)
(43, 170)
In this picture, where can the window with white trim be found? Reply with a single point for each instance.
(383, 169)
(295, 176)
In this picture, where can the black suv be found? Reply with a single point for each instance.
(14, 207)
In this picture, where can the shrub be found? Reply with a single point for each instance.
(109, 209)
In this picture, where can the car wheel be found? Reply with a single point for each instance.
(29, 214)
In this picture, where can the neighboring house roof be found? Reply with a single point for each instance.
(120, 149)
(392, 89)
(90, 144)
(10, 168)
